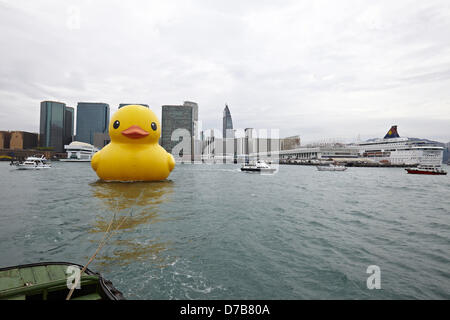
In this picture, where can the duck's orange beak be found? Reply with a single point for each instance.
(135, 132)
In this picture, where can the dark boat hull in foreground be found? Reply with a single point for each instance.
(48, 281)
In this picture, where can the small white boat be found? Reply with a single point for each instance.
(33, 163)
(258, 166)
(331, 167)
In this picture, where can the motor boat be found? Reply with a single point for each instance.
(331, 167)
(258, 166)
(32, 163)
(423, 169)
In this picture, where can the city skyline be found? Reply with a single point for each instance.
(320, 70)
(319, 140)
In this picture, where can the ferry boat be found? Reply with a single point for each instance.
(431, 170)
(401, 151)
(331, 167)
(32, 163)
(258, 166)
(79, 152)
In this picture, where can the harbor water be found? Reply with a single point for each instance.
(214, 232)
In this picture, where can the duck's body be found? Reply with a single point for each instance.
(120, 162)
(133, 153)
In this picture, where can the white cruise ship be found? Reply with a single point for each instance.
(79, 152)
(402, 151)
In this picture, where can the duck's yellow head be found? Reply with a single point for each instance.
(134, 124)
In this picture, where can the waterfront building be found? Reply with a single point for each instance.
(92, 118)
(213, 146)
(332, 151)
(5, 138)
(227, 135)
(127, 104)
(52, 125)
(290, 143)
(79, 152)
(246, 145)
(18, 140)
(23, 140)
(240, 149)
(209, 151)
(69, 125)
(250, 146)
(261, 143)
(227, 131)
(179, 123)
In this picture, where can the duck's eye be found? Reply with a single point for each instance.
(154, 126)
(116, 124)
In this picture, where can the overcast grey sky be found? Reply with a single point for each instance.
(320, 69)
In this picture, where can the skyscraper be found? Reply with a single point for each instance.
(92, 117)
(52, 125)
(228, 134)
(227, 124)
(69, 125)
(180, 117)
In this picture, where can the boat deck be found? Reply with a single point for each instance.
(46, 282)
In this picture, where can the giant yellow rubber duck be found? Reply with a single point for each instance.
(133, 153)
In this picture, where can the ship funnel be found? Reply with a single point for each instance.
(392, 133)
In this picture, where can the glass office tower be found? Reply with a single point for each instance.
(52, 124)
(69, 125)
(227, 124)
(179, 117)
(92, 118)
